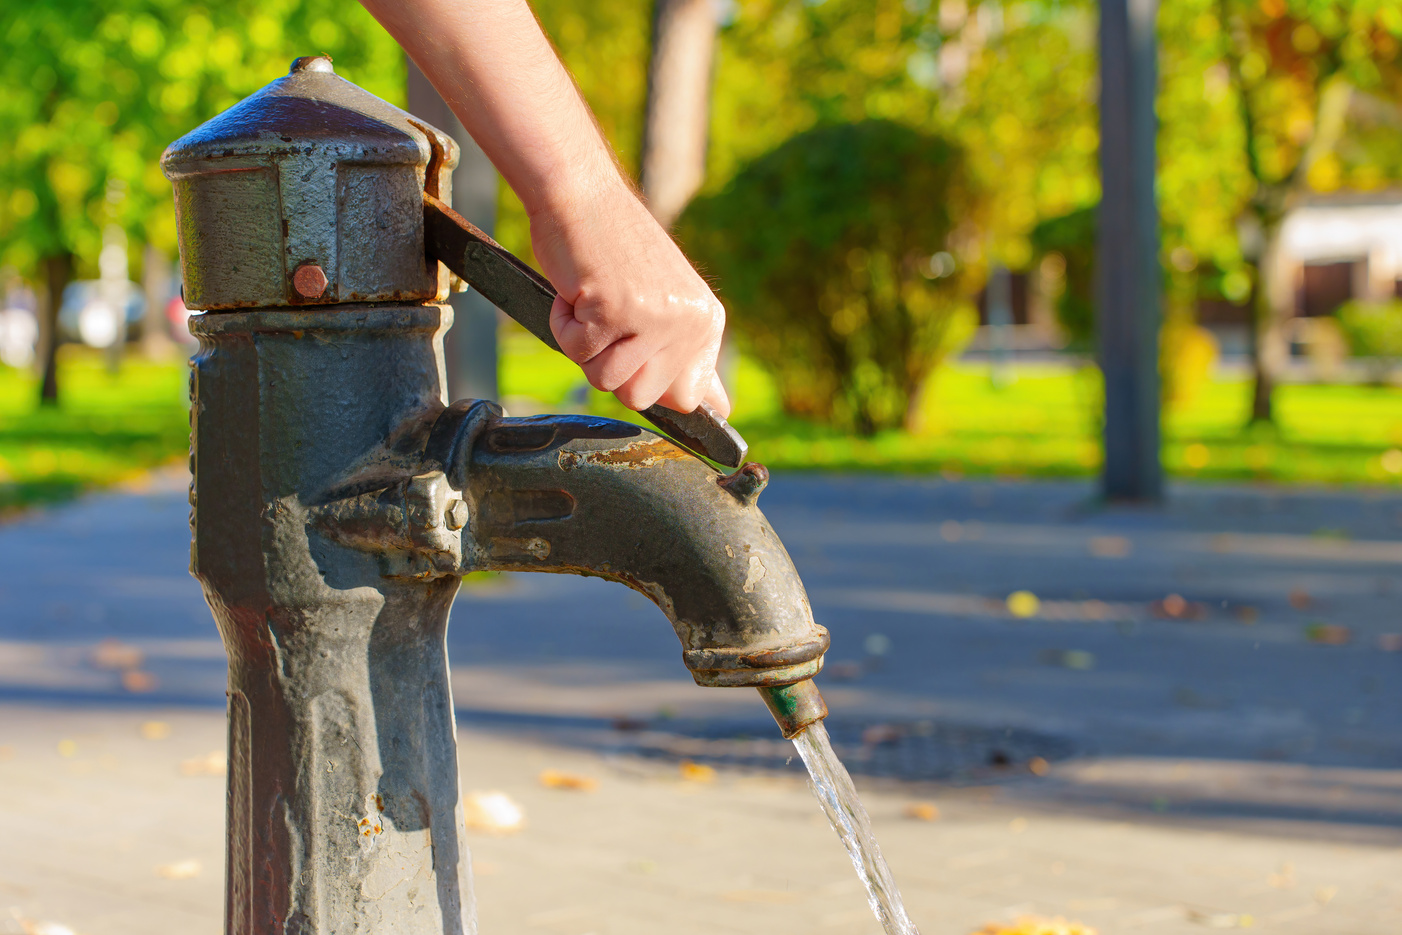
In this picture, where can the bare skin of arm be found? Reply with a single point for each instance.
(632, 311)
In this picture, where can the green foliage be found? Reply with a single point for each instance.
(1045, 423)
(605, 45)
(823, 249)
(1374, 330)
(1013, 84)
(92, 92)
(112, 429)
(1071, 237)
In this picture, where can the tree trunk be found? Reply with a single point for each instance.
(156, 281)
(678, 105)
(1270, 309)
(57, 271)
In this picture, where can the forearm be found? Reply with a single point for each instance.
(495, 68)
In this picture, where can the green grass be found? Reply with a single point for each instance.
(1042, 424)
(105, 430)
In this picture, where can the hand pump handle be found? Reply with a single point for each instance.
(527, 296)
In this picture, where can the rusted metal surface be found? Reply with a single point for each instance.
(795, 707)
(343, 791)
(309, 280)
(311, 170)
(527, 296)
(336, 502)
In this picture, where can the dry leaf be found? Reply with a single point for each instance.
(1330, 634)
(1033, 925)
(1110, 546)
(138, 681)
(1023, 604)
(1038, 766)
(1176, 607)
(493, 812)
(559, 779)
(36, 927)
(180, 870)
(114, 654)
(697, 772)
(1390, 642)
(922, 811)
(213, 763)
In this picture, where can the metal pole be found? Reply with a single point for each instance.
(1128, 273)
(470, 348)
(999, 296)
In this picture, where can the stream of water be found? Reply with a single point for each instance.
(833, 787)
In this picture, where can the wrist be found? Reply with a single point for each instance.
(583, 192)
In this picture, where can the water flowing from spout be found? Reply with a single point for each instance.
(833, 787)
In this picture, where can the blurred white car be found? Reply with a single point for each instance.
(93, 315)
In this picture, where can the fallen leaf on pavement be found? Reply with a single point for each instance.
(114, 654)
(1222, 920)
(1038, 766)
(1330, 634)
(1300, 599)
(493, 812)
(1110, 546)
(1390, 642)
(1176, 607)
(559, 779)
(213, 763)
(138, 681)
(180, 870)
(1068, 658)
(922, 811)
(696, 772)
(38, 927)
(1023, 604)
(877, 734)
(1034, 925)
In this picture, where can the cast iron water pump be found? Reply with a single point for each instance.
(337, 501)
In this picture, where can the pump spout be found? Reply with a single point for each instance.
(600, 497)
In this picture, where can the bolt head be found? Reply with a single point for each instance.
(309, 280)
(320, 63)
(456, 516)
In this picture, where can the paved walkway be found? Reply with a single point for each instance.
(1230, 756)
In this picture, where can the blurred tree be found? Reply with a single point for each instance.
(673, 162)
(1294, 69)
(1373, 331)
(835, 251)
(91, 92)
(1071, 237)
(604, 44)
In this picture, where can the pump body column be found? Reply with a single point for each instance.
(321, 344)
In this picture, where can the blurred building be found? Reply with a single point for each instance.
(1343, 246)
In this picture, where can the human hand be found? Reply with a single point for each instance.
(632, 311)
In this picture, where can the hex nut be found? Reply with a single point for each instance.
(309, 280)
(456, 516)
